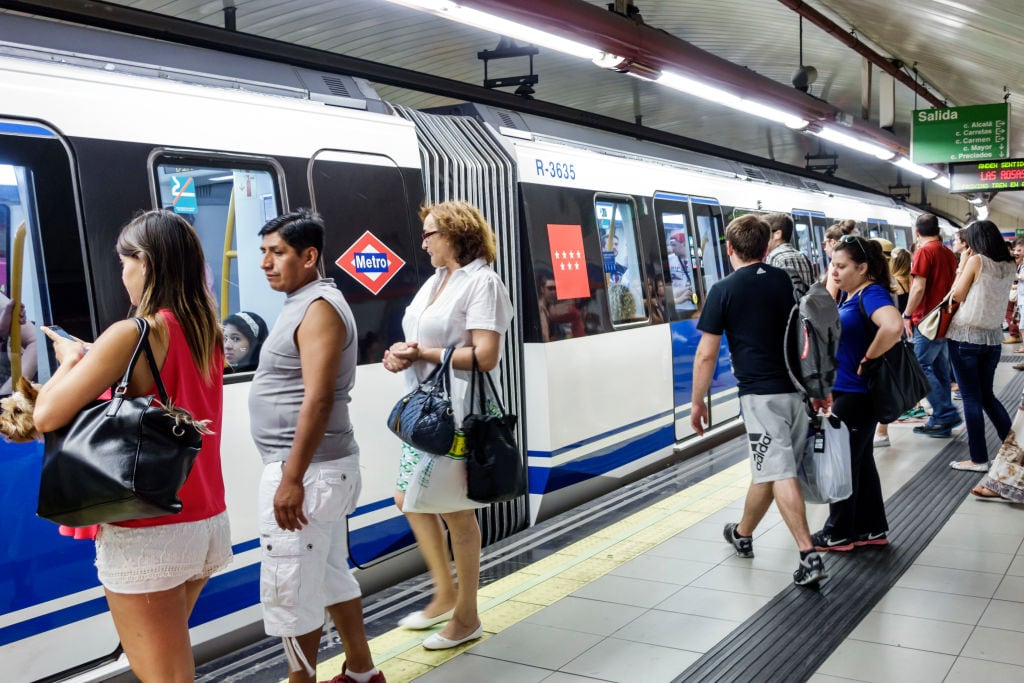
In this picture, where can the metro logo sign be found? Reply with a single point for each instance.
(370, 262)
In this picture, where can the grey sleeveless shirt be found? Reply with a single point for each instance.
(277, 391)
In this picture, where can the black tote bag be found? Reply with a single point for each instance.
(121, 459)
(896, 380)
(495, 470)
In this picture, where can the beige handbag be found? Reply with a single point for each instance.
(935, 323)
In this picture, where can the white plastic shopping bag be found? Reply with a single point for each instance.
(825, 472)
(438, 484)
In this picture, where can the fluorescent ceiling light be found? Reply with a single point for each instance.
(941, 180)
(923, 171)
(719, 96)
(833, 135)
(982, 212)
(503, 27)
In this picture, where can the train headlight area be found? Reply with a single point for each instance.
(639, 585)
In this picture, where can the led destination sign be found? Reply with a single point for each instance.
(985, 176)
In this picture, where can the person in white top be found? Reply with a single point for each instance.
(465, 305)
(975, 337)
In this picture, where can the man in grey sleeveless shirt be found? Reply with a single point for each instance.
(298, 406)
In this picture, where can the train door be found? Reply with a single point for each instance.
(812, 237)
(372, 250)
(902, 236)
(695, 259)
(48, 586)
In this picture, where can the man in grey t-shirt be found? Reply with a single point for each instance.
(298, 405)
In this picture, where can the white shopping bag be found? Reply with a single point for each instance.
(825, 473)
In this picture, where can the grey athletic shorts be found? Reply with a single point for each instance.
(777, 431)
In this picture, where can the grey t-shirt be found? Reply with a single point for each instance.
(277, 390)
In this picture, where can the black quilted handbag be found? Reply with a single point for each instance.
(121, 459)
(495, 470)
(423, 418)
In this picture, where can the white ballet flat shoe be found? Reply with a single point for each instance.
(417, 621)
(439, 642)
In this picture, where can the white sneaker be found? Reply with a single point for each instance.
(881, 442)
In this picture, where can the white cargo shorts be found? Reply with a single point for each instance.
(303, 572)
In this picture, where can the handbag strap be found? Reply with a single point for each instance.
(142, 345)
(483, 389)
(439, 376)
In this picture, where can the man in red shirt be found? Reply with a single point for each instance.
(933, 270)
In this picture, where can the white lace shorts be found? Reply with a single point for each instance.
(303, 572)
(158, 558)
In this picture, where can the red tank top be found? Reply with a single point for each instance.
(202, 496)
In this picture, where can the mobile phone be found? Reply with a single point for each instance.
(61, 331)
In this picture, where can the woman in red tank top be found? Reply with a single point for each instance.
(153, 570)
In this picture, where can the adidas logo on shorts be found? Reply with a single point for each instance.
(759, 444)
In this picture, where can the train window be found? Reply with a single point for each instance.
(714, 255)
(223, 202)
(617, 231)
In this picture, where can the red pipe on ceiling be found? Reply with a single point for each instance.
(882, 62)
(615, 34)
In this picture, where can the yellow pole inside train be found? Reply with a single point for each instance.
(229, 254)
(15, 336)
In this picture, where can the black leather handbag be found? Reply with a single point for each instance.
(423, 418)
(896, 380)
(495, 470)
(121, 459)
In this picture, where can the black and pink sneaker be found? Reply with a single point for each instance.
(877, 540)
(823, 541)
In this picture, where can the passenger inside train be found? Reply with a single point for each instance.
(244, 334)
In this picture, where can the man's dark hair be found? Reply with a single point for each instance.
(299, 229)
(927, 225)
(783, 222)
(748, 236)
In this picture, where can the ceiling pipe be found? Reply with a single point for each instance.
(844, 36)
(653, 47)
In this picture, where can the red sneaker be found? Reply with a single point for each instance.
(345, 678)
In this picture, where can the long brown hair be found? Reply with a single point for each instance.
(464, 226)
(175, 279)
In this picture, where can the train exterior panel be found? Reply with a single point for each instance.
(600, 373)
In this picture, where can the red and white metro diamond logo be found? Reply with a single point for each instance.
(370, 262)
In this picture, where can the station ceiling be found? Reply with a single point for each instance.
(964, 52)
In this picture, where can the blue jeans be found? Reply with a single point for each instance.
(975, 367)
(935, 360)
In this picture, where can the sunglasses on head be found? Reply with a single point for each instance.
(854, 239)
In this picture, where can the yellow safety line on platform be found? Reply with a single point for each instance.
(532, 588)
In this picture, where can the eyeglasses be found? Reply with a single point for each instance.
(428, 235)
(853, 239)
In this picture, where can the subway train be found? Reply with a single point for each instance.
(608, 247)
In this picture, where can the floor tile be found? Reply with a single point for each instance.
(1011, 588)
(956, 581)
(877, 663)
(776, 537)
(996, 645)
(1005, 615)
(624, 590)
(536, 645)
(1017, 566)
(913, 632)
(822, 678)
(714, 603)
(683, 548)
(665, 569)
(705, 531)
(470, 667)
(740, 580)
(587, 616)
(682, 631)
(962, 609)
(622, 660)
(979, 539)
(966, 670)
(562, 677)
(936, 555)
(768, 558)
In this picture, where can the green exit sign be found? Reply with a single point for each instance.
(955, 134)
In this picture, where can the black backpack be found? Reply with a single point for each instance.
(812, 341)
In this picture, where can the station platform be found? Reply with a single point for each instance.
(640, 587)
